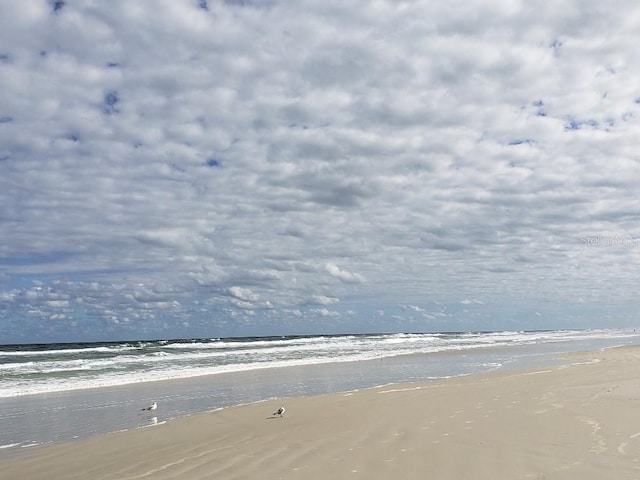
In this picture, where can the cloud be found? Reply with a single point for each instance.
(248, 161)
(243, 294)
(324, 300)
(468, 301)
(342, 275)
(324, 312)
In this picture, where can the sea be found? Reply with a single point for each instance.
(68, 391)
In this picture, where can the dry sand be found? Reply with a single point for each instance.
(576, 421)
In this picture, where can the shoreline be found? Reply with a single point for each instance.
(63, 416)
(567, 420)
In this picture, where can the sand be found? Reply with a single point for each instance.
(580, 420)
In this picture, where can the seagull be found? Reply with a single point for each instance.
(151, 407)
(280, 411)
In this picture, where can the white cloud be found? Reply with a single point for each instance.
(324, 300)
(58, 303)
(468, 301)
(243, 294)
(341, 274)
(324, 312)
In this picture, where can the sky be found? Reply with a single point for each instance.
(201, 168)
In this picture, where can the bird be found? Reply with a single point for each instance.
(280, 411)
(151, 407)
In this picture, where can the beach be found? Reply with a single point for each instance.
(574, 420)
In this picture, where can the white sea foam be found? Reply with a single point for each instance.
(9, 445)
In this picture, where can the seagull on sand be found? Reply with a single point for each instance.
(151, 407)
(280, 411)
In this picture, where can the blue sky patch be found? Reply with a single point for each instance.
(57, 5)
(111, 99)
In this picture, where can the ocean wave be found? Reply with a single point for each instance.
(41, 369)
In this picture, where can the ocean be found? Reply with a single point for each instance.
(62, 392)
